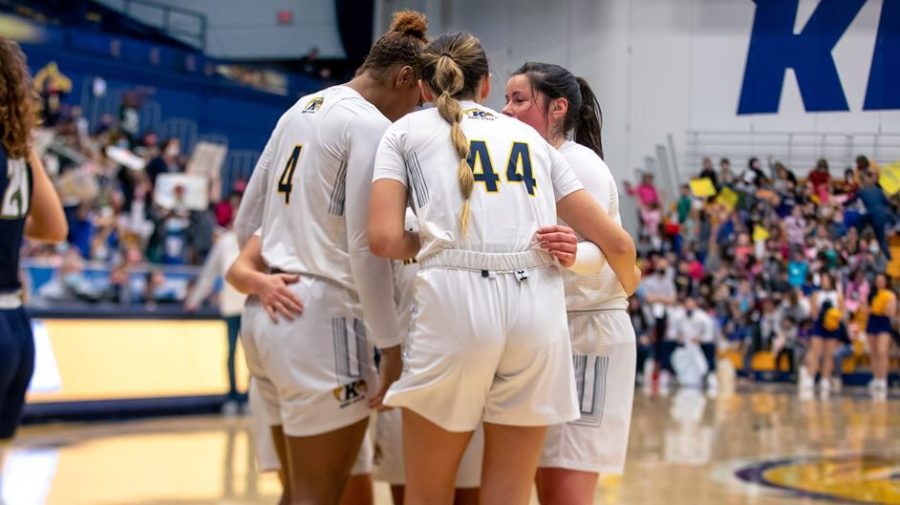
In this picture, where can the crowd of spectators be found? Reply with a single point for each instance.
(740, 268)
(107, 174)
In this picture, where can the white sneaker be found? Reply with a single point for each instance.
(712, 384)
(878, 386)
(824, 388)
(806, 384)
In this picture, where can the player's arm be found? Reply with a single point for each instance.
(46, 221)
(250, 214)
(388, 237)
(206, 279)
(582, 212)
(247, 275)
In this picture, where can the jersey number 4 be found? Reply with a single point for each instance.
(286, 181)
(518, 167)
(16, 198)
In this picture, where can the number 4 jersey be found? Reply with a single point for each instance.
(519, 177)
(15, 186)
(309, 194)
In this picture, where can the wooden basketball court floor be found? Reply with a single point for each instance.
(761, 445)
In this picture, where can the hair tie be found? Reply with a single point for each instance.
(447, 55)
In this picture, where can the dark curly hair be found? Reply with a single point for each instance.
(17, 105)
(401, 45)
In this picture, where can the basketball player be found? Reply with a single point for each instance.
(29, 205)
(490, 341)
(882, 311)
(271, 300)
(309, 194)
(388, 464)
(556, 103)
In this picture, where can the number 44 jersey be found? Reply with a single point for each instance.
(15, 186)
(519, 177)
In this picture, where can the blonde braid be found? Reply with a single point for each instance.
(450, 80)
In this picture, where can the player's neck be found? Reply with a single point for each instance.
(557, 140)
(370, 89)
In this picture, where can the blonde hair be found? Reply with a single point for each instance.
(452, 66)
(17, 106)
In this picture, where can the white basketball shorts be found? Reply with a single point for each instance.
(604, 355)
(313, 372)
(489, 342)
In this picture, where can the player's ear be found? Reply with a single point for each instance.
(558, 108)
(427, 94)
(406, 77)
(484, 88)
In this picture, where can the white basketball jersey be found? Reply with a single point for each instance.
(303, 226)
(310, 194)
(601, 290)
(519, 178)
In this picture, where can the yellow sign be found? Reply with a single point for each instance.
(728, 198)
(760, 234)
(890, 178)
(702, 187)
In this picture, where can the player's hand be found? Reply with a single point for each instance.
(277, 299)
(390, 368)
(559, 241)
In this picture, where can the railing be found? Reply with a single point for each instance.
(183, 24)
(797, 150)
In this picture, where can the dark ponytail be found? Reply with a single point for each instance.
(589, 123)
(583, 116)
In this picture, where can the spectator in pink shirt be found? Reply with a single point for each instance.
(645, 192)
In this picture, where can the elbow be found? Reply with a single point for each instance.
(48, 234)
(379, 245)
(624, 248)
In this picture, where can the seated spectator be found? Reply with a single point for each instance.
(784, 345)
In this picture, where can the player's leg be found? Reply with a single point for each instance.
(814, 355)
(432, 457)
(320, 465)
(575, 453)
(883, 348)
(565, 486)
(17, 351)
(830, 348)
(538, 386)
(511, 456)
(284, 468)
(360, 488)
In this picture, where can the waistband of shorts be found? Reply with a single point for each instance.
(458, 259)
(597, 311)
(11, 300)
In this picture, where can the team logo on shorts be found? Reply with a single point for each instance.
(313, 105)
(479, 114)
(349, 394)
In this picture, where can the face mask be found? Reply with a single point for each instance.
(690, 312)
(173, 151)
(873, 248)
